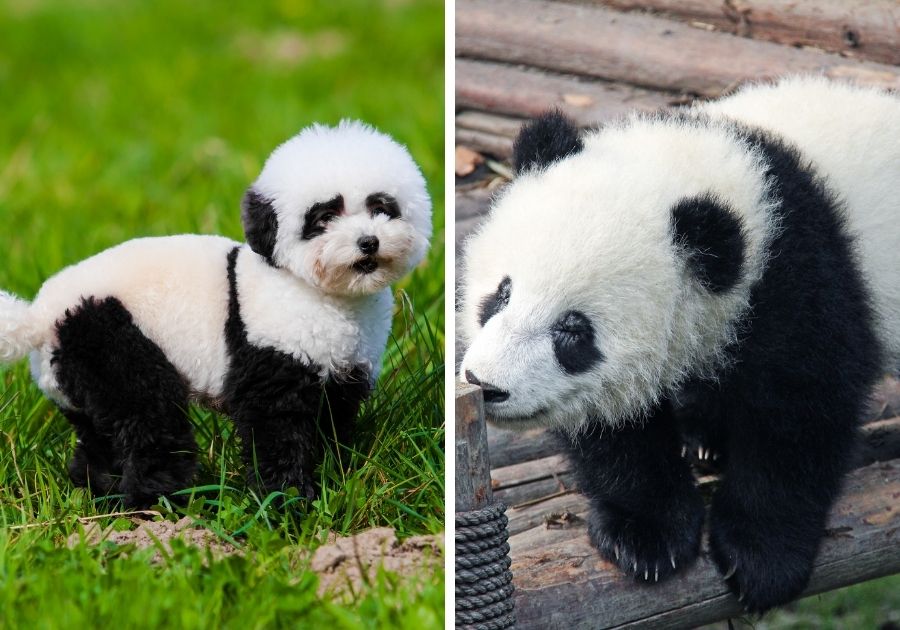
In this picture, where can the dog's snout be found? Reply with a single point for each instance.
(491, 393)
(368, 244)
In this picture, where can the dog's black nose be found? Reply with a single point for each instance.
(491, 393)
(368, 244)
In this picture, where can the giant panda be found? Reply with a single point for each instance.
(281, 332)
(726, 274)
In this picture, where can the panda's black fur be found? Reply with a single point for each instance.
(776, 411)
(786, 439)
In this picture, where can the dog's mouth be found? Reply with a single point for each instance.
(365, 265)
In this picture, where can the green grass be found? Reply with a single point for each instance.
(125, 119)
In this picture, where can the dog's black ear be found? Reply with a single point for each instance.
(260, 223)
(544, 140)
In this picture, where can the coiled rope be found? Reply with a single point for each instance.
(483, 580)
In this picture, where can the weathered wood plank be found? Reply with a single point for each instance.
(564, 583)
(639, 49)
(527, 92)
(473, 471)
(867, 29)
(498, 124)
(512, 447)
(485, 142)
(528, 486)
(879, 441)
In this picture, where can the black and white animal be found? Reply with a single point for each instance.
(279, 332)
(737, 263)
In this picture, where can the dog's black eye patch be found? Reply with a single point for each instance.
(320, 214)
(382, 203)
(496, 302)
(573, 342)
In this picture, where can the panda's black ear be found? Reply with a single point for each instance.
(260, 223)
(544, 140)
(712, 237)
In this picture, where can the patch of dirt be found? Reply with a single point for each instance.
(348, 562)
(151, 533)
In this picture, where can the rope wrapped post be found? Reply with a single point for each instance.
(483, 579)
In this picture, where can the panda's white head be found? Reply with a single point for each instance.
(611, 267)
(344, 208)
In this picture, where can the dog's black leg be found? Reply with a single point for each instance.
(94, 463)
(647, 514)
(123, 382)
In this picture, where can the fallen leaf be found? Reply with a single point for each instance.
(578, 100)
(467, 161)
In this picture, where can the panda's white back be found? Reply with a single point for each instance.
(852, 137)
(176, 289)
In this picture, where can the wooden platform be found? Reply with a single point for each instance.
(597, 61)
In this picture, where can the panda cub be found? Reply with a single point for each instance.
(726, 276)
(284, 333)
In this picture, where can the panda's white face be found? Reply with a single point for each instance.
(343, 208)
(582, 300)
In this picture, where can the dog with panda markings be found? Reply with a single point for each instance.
(283, 333)
(723, 276)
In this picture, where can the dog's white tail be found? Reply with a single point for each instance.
(17, 331)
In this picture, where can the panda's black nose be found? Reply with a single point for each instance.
(368, 244)
(491, 393)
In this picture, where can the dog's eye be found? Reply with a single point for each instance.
(391, 213)
(325, 218)
(383, 203)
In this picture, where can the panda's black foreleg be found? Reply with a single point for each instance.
(132, 401)
(647, 513)
(768, 516)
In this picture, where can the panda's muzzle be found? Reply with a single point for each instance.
(491, 393)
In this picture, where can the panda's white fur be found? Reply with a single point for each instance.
(308, 304)
(593, 232)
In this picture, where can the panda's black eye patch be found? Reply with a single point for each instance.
(382, 203)
(573, 342)
(318, 215)
(496, 302)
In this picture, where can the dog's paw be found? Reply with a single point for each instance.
(762, 566)
(650, 548)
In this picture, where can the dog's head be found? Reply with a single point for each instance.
(345, 208)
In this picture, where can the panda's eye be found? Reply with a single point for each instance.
(390, 213)
(493, 304)
(573, 342)
(325, 218)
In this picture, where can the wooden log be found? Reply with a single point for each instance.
(483, 142)
(512, 447)
(531, 487)
(639, 49)
(473, 470)
(564, 582)
(497, 124)
(527, 92)
(868, 29)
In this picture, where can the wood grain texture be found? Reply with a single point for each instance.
(639, 49)
(528, 92)
(473, 469)
(868, 29)
(562, 582)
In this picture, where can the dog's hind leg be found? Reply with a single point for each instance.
(125, 388)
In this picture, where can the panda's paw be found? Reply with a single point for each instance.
(648, 548)
(761, 568)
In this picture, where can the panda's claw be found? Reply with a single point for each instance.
(730, 573)
(616, 552)
(672, 560)
(646, 574)
(656, 574)
(684, 450)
